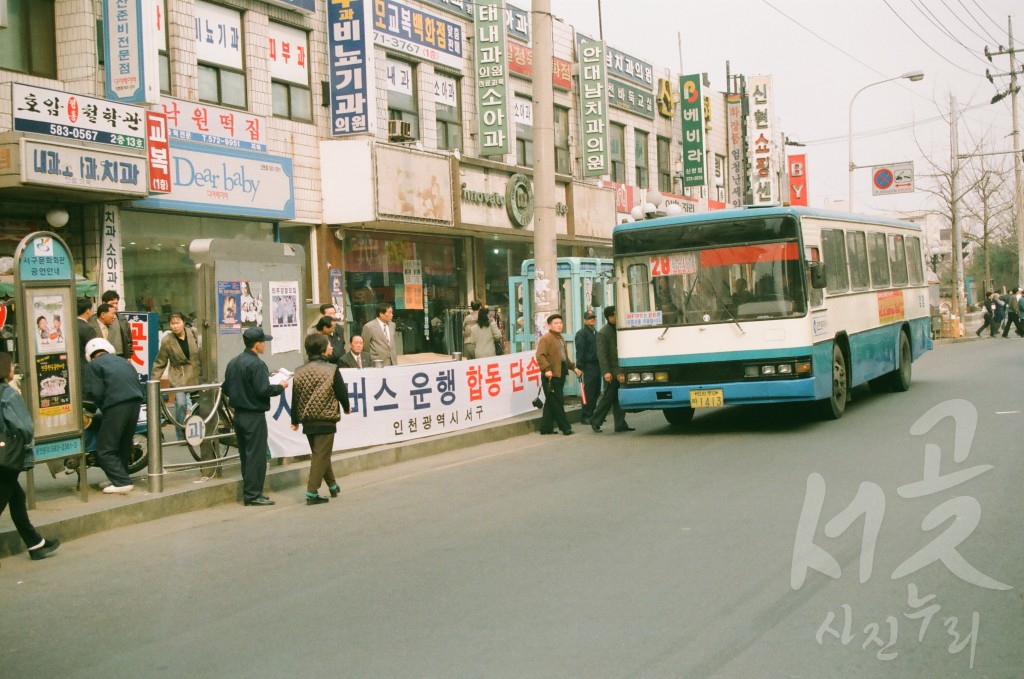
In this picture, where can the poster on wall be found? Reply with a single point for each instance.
(412, 270)
(53, 387)
(337, 294)
(251, 304)
(284, 319)
(48, 315)
(229, 294)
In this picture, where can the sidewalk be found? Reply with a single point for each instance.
(60, 513)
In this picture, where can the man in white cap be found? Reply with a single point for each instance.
(112, 384)
(248, 388)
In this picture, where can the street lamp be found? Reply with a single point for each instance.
(912, 76)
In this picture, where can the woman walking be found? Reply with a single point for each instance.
(18, 432)
(179, 356)
(483, 335)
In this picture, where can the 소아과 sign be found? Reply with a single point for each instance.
(492, 77)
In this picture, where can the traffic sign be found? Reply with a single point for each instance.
(894, 178)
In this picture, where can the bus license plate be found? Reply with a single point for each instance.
(706, 398)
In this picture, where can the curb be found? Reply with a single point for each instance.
(94, 516)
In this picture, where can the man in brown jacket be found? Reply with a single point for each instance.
(554, 363)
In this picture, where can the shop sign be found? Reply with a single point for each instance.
(691, 110)
(159, 152)
(594, 109)
(418, 187)
(623, 195)
(491, 61)
(130, 50)
(623, 66)
(519, 200)
(632, 99)
(207, 124)
(520, 62)
(80, 168)
(144, 327)
(350, 67)
(734, 135)
(227, 181)
(288, 54)
(73, 116)
(759, 136)
(797, 179)
(517, 21)
(111, 261)
(416, 33)
(666, 104)
(218, 34)
(445, 91)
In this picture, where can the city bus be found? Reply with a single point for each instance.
(766, 305)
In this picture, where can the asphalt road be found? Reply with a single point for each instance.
(651, 554)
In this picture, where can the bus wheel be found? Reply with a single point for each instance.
(678, 417)
(833, 407)
(899, 379)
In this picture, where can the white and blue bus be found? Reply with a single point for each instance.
(766, 305)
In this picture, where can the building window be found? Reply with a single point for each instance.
(219, 40)
(402, 102)
(664, 165)
(220, 85)
(28, 44)
(617, 152)
(162, 52)
(522, 115)
(449, 113)
(288, 49)
(562, 152)
(643, 161)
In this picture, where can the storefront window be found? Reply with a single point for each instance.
(418, 275)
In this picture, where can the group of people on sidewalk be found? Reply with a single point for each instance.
(597, 363)
(1002, 314)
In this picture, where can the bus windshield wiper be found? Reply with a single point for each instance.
(714, 291)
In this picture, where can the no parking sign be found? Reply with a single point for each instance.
(895, 178)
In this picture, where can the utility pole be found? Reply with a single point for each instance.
(959, 298)
(1018, 189)
(545, 245)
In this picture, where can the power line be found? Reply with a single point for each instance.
(970, 14)
(1000, 28)
(935, 21)
(925, 42)
(887, 130)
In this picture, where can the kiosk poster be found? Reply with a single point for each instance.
(284, 319)
(229, 294)
(252, 304)
(48, 315)
(53, 387)
(337, 296)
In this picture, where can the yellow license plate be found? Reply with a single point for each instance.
(706, 398)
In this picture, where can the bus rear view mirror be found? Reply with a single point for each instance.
(817, 274)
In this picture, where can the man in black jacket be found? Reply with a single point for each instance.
(112, 384)
(328, 327)
(85, 331)
(608, 355)
(248, 388)
(586, 360)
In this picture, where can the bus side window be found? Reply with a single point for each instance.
(639, 288)
(879, 259)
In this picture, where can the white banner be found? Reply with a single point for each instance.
(111, 266)
(403, 403)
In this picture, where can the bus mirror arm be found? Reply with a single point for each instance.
(817, 270)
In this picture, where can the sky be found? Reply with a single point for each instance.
(819, 54)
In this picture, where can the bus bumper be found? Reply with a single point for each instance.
(659, 397)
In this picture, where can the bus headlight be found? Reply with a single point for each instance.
(632, 378)
(767, 369)
(785, 369)
(661, 377)
(803, 368)
(646, 378)
(751, 371)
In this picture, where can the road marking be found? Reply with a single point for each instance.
(1008, 412)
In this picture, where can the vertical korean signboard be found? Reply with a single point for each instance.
(131, 59)
(159, 152)
(759, 135)
(594, 107)
(734, 114)
(350, 67)
(111, 269)
(491, 77)
(691, 109)
(44, 279)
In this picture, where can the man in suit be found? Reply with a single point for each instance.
(586, 359)
(111, 328)
(353, 358)
(608, 355)
(379, 336)
(85, 331)
(327, 326)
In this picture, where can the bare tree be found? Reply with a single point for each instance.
(988, 207)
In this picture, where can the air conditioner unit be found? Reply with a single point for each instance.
(399, 130)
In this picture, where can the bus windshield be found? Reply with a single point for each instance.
(717, 284)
